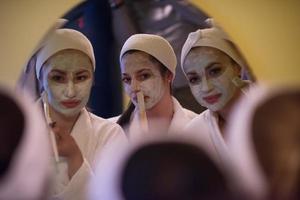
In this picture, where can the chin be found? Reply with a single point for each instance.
(71, 112)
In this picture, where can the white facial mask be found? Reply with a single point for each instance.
(210, 73)
(67, 80)
(140, 73)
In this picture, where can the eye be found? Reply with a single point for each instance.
(126, 80)
(81, 78)
(215, 71)
(144, 76)
(194, 79)
(57, 78)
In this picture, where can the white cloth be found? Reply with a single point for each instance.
(205, 129)
(29, 169)
(62, 39)
(94, 136)
(180, 118)
(155, 45)
(212, 37)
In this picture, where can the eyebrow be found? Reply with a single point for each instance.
(210, 65)
(58, 71)
(81, 71)
(192, 73)
(143, 70)
(138, 72)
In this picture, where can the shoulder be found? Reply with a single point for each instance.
(199, 121)
(105, 126)
(114, 119)
(180, 109)
(190, 114)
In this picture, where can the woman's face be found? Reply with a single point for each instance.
(67, 79)
(140, 73)
(210, 73)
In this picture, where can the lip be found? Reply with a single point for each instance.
(212, 98)
(70, 104)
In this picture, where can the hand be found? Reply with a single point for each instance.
(68, 148)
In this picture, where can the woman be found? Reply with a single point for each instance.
(64, 68)
(148, 65)
(212, 66)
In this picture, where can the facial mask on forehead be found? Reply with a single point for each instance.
(68, 97)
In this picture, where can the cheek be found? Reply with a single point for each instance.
(84, 89)
(224, 82)
(148, 84)
(55, 90)
(196, 91)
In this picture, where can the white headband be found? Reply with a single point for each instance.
(63, 39)
(154, 45)
(211, 37)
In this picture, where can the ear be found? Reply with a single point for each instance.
(169, 76)
(237, 70)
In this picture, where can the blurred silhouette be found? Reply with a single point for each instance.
(24, 149)
(264, 136)
(172, 171)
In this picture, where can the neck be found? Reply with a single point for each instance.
(163, 109)
(225, 112)
(64, 122)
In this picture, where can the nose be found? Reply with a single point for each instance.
(70, 90)
(135, 86)
(206, 85)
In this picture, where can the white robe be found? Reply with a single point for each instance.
(94, 136)
(205, 129)
(180, 118)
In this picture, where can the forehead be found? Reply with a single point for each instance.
(209, 52)
(202, 56)
(69, 59)
(137, 60)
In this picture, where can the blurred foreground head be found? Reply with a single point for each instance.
(170, 171)
(265, 139)
(24, 148)
(160, 168)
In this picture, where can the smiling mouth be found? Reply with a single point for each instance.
(70, 104)
(212, 99)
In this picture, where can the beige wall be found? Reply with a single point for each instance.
(268, 33)
(23, 23)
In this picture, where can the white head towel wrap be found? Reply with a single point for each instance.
(211, 37)
(155, 45)
(29, 169)
(63, 39)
